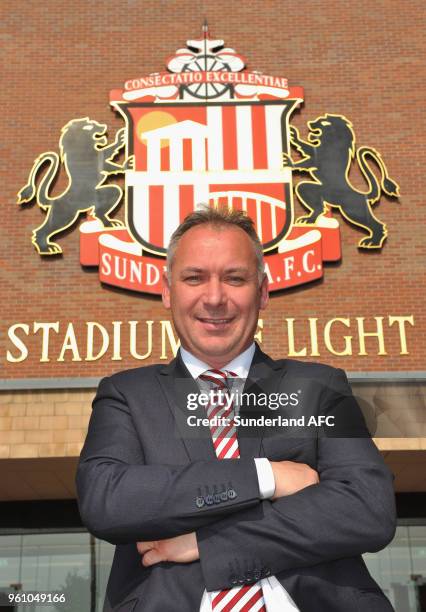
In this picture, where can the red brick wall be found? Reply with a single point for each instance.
(364, 60)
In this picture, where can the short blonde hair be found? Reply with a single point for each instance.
(220, 218)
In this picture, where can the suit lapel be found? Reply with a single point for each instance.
(263, 378)
(177, 384)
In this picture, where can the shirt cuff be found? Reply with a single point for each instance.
(265, 477)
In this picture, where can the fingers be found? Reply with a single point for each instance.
(143, 547)
(150, 554)
(291, 477)
(151, 557)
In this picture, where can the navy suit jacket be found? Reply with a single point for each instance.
(145, 474)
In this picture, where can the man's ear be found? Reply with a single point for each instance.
(264, 293)
(165, 292)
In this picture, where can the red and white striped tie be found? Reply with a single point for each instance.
(248, 598)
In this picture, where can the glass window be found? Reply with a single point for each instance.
(400, 569)
(47, 562)
(76, 564)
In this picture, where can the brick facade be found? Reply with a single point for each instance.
(53, 423)
(44, 423)
(60, 61)
(42, 433)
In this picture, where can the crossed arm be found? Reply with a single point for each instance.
(350, 511)
(340, 517)
(290, 477)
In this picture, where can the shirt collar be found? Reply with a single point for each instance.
(240, 365)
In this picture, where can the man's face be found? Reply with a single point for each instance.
(214, 294)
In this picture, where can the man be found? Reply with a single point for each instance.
(223, 518)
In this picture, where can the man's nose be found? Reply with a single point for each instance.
(215, 293)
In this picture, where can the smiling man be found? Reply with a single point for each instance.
(225, 519)
(215, 297)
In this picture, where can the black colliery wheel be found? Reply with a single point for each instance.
(203, 91)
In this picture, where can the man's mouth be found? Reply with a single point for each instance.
(215, 321)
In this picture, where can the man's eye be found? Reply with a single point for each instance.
(236, 280)
(193, 279)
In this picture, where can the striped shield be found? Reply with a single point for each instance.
(224, 154)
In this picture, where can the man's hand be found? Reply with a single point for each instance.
(181, 549)
(291, 477)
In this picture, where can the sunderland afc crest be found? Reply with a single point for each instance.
(206, 132)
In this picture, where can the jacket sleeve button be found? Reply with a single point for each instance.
(199, 502)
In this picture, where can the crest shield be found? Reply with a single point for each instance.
(207, 131)
(220, 153)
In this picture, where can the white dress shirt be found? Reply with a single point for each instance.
(275, 596)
